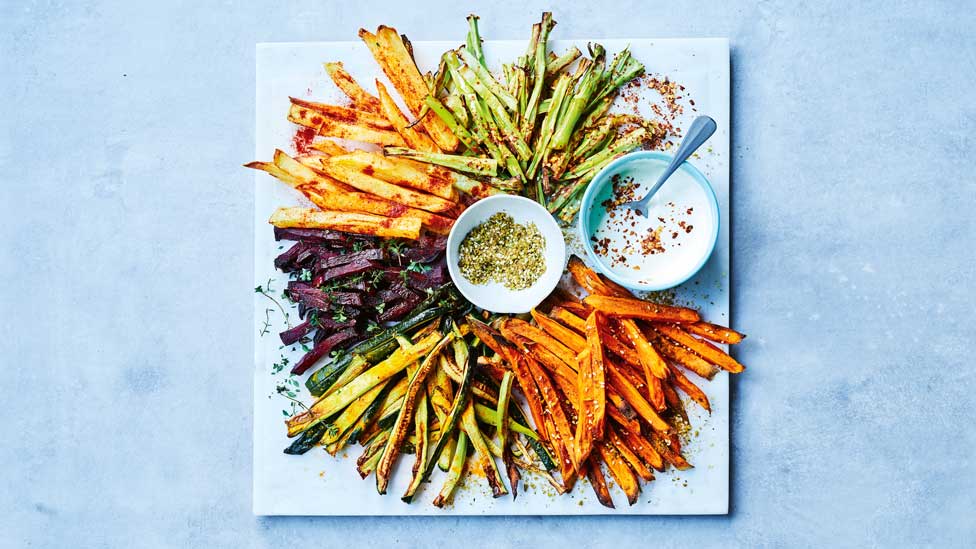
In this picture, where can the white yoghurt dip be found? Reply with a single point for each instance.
(664, 248)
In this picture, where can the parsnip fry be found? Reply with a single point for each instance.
(329, 127)
(370, 184)
(351, 201)
(345, 82)
(328, 147)
(398, 171)
(345, 115)
(393, 57)
(636, 308)
(368, 224)
(703, 349)
(414, 138)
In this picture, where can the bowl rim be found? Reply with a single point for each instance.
(453, 237)
(601, 179)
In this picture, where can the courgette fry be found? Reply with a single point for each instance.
(455, 471)
(400, 428)
(457, 408)
(351, 414)
(482, 453)
(366, 463)
(335, 402)
(423, 445)
(308, 440)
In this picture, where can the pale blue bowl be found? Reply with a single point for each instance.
(599, 190)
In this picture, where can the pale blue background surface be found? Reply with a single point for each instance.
(126, 272)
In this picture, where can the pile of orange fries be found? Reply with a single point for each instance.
(601, 377)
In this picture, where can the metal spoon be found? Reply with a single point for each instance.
(700, 130)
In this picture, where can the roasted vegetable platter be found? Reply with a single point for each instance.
(317, 483)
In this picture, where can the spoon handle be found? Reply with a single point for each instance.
(698, 132)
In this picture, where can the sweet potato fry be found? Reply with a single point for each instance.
(396, 62)
(629, 455)
(345, 115)
(636, 308)
(368, 224)
(620, 471)
(541, 355)
(714, 332)
(569, 319)
(591, 282)
(370, 184)
(662, 446)
(634, 398)
(415, 139)
(345, 82)
(642, 447)
(598, 482)
(397, 171)
(679, 354)
(649, 358)
(562, 435)
(618, 347)
(653, 365)
(578, 308)
(592, 392)
(542, 339)
(703, 349)
(689, 388)
(674, 401)
(566, 336)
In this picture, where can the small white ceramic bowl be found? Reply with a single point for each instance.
(494, 296)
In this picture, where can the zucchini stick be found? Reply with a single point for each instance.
(423, 445)
(392, 451)
(482, 452)
(457, 408)
(455, 471)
